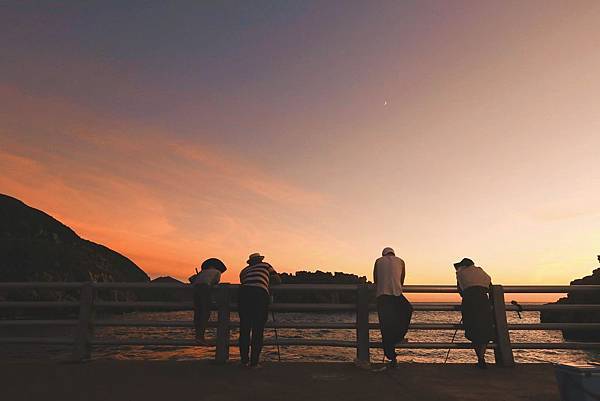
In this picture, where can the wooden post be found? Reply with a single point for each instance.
(363, 357)
(223, 299)
(82, 349)
(503, 351)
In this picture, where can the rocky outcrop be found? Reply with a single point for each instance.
(587, 297)
(319, 277)
(36, 247)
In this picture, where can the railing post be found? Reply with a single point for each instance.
(363, 356)
(82, 349)
(223, 299)
(503, 351)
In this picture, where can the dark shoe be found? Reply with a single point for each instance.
(255, 366)
(481, 364)
(245, 364)
(386, 366)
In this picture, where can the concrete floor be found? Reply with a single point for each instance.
(202, 380)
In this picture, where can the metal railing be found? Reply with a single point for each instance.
(83, 340)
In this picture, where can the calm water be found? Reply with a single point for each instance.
(310, 353)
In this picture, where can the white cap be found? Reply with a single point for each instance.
(387, 251)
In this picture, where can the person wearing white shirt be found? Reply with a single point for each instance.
(202, 282)
(393, 308)
(473, 285)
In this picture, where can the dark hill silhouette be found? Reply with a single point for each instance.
(591, 297)
(36, 247)
(166, 295)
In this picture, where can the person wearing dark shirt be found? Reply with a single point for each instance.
(253, 304)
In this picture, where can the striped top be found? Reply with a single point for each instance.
(257, 275)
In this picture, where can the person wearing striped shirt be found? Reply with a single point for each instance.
(253, 304)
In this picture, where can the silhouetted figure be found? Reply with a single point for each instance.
(473, 285)
(209, 275)
(254, 306)
(393, 308)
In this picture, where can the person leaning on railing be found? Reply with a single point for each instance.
(202, 282)
(473, 284)
(253, 306)
(393, 308)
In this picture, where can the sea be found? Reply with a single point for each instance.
(305, 353)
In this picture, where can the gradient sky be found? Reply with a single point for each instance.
(315, 133)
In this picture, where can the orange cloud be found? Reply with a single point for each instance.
(164, 203)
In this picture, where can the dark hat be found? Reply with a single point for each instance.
(214, 263)
(255, 258)
(464, 262)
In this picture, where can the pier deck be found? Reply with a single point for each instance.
(203, 380)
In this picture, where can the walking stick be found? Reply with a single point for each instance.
(452, 342)
(276, 337)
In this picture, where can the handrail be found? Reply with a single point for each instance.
(287, 307)
(84, 339)
(549, 289)
(39, 284)
(38, 304)
(442, 288)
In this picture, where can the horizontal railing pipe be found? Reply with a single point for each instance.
(550, 289)
(431, 345)
(26, 285)
(143, 305)
(137, 285)
(227, 324)
(555, 326)
(279, 325)
(37, 340)
(25, 322)
(565, 345)
(38, 304)
(543, 307)
(547, 289)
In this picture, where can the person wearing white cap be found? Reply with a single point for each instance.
(393, 308)
(253, 304)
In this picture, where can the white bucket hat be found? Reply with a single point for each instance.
(388, 250)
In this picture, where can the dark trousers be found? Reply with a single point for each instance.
(202, 303)
(394, 313)
(253, 309)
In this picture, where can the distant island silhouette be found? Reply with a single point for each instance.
(591, 297)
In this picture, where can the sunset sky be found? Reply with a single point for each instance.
(316, 133)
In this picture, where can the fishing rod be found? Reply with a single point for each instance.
(276, 336)
(271, 301)
(452, 342)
